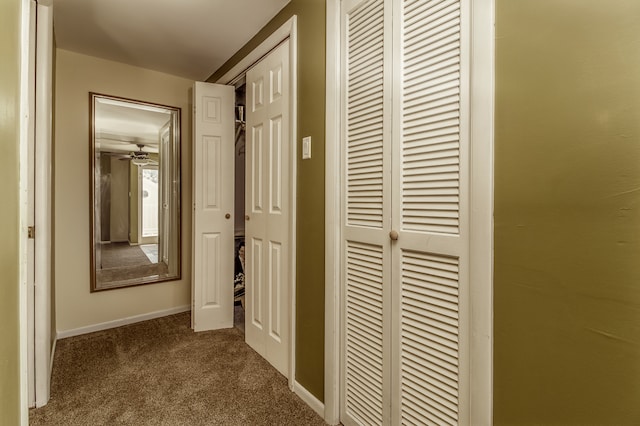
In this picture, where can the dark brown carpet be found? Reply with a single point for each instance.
(160, 372)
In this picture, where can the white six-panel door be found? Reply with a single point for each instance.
(267, 207)
(405, 212)
(213, 205)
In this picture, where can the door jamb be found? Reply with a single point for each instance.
(333, 185)
(286, 30)
(481, 206)
(36, 104)
(481, 198)
(26, 137)
(44, 347)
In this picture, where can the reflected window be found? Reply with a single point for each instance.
(149, 202)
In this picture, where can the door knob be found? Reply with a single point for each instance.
(393, 234)
(227, 216)
(246, 217)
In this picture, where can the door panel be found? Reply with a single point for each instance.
(365, 359)
(255, 168)
(267, 227)
(405, 212)
(254, 300)
(276, 281)
(366, 216)
(430, 322)
(213, 247)
(430, 169)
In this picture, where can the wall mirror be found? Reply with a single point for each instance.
(135, 192)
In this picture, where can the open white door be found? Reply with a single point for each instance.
(268, 209)
(213, 176)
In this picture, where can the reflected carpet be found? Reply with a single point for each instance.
(116, 255)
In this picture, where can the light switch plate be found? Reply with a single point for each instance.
(306, 148)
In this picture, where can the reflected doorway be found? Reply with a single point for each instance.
(149, 206)
(130, 249)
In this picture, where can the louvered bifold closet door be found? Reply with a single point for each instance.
(430, 174)
(366, 213)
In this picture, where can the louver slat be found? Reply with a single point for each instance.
(364, 333)
(431, 116)
(430, 348)
(364, 115)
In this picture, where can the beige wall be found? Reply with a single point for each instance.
(567, 212)
(76, 76)
(119, 200)
(9, 213)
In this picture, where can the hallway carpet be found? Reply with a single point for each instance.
(160, 372)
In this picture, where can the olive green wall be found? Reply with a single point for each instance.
(9, 213)
(310, 196)
(567, 212)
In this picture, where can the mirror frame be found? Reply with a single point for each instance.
(176, 160)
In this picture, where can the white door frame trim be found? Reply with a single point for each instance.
(481, 212)
(27, 43)
(286, 30)
(43, 179)
(35, 121)
(481, 209)
(332, 186)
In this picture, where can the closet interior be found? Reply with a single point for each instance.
(239, 197)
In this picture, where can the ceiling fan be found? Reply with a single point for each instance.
(140, 157)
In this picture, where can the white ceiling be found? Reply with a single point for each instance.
(121, 125)
(187, 38)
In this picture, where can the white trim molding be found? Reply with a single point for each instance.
(25, 294)
(308, 398)
(122, 321)
(293, 188)
(332, 217)
(43, 179)
(286, 30)
(481, 213)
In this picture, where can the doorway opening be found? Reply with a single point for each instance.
(269, 210)
(239, 200)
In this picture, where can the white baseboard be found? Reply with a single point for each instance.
(309, 399)
(123, 321)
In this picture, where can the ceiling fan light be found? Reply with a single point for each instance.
(140, 161)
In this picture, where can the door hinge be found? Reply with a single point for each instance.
(31, 232)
